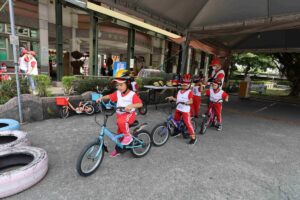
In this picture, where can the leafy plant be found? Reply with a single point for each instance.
(43, 82)
(8, 89)
(68, 82)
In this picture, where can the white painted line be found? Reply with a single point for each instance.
(259, 110)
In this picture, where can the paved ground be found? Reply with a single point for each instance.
(256, 157)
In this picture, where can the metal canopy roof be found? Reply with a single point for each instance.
(231, 24)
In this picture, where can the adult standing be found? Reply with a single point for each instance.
(109, 63)
(218, 72)
(32, 70)
(23, 61)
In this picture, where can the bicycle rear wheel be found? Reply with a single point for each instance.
(143, 110)
(160, 135)
(145, 137)
(88, 161)
(64, 112)
(89, 109)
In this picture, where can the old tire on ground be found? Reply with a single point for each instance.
(9, 125)
(13, 139)
(21, 168)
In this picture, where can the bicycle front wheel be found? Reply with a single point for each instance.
(204, 125)
(90, 158)
(143, 136)
(160, 135)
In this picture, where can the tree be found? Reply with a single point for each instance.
(289, 66)
(252, 62)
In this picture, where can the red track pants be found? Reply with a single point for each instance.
(218, 111)
(195, 107)
(123, 121)
(187, 120)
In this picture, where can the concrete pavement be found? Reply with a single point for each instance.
(257, 156)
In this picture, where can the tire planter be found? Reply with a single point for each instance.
(13, 139)
(9, 125)
(21, 168)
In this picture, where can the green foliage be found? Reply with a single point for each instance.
(68, 82)
(252, 62)
(43, 82)
(90, 84)
(290, 68)
(8, 89)
(139, 82)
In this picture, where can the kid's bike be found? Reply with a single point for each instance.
(210, 119)
(66, 106)
(92, 155)
(161, 132)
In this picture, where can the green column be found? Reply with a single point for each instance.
(93, 45)
(185, 53)
(130, 46)
(59, 39)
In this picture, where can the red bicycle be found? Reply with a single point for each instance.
(66, 106)
(210, 119)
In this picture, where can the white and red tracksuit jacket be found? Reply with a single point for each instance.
(184, 110)
(214, 97)
(218, 74)
(124, 118)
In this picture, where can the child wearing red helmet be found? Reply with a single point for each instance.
(197, 90)
(216, 96)
(185, 96)
(124, 98)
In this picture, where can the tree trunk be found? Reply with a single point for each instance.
(246, 71)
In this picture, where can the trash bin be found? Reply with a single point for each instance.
(244, 89)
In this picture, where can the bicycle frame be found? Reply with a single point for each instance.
(115, 138)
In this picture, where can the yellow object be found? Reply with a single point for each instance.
(131, 20)
(244, 89)
(161, 83)
(121, 73)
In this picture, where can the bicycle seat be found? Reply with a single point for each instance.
(134, 124)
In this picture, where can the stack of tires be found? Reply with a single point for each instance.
(21, 166)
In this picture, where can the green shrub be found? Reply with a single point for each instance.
(68, 82)
(8, 89)
(43, 82)
(90, 84)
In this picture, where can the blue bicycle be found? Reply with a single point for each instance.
(92, 155)
(161, 132)
(99, 107)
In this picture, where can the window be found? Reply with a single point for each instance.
(3, 49)
(2, 28)
(33, 33)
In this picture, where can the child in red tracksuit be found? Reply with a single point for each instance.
(124, 98)
(216, 96)
(197, 89)
(185, 96)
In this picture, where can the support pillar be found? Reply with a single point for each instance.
(93, 45)
(59, 38)
(43, 34)
(169, 67)
(185, 50)
(130, 46)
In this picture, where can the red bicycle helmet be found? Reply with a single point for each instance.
(218, 82)
(186, 79)
(215, 61)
